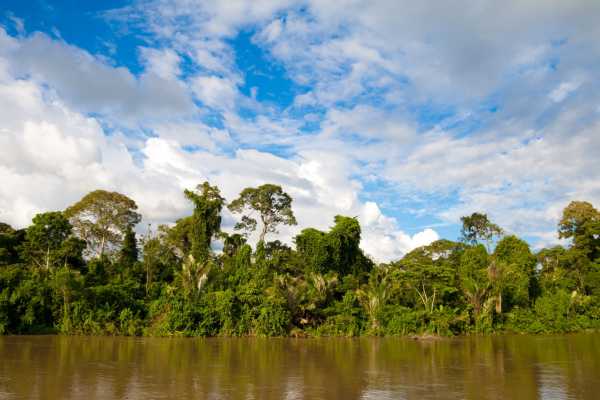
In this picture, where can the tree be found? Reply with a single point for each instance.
(427, 272)
(44, 239)
(374, 296)
(159, 260)
(128, 255)
(102, 218)
(10, 242)
(581, 222)
(179, 236)
(312, 246)
(553, 274)
(477, 227)
(66, 283)
(517, 266)
(232, 243)
(337, 250)
(473, 277)
(344, 246)
(206, 219)
(273, 205)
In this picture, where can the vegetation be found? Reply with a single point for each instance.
(83, 271)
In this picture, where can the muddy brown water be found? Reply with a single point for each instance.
(494, 367)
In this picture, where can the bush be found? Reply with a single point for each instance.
(273, 319)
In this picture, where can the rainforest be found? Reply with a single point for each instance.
(85, 271)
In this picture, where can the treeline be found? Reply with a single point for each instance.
(84, 271)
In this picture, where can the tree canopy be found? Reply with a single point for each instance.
(102, 218)
(194, 278)
(270, 202)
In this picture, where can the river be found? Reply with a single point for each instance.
(493, 367)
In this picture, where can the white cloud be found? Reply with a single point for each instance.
(88, 84)
(520, 82)
(51, 156)
(563, 90)
(164, 63)
(215, 92)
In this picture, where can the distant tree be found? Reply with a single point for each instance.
(553, 269)
(273, 205)
(232, 243)
(478, 228)
(179, 236)
(427, 272)
(519, 283)
(45, 238)
(66, 283)
(344, 245)
(10, 243)
(128, 255)
(313, 247)
(5, 228)
(206, 219)
(473, 277)
(581, 222)
(102, 219)
(337, 250)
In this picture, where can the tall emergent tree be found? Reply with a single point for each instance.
(273, 205)
(206, 219)
(102, 219)
(581, 223)
(478, 228)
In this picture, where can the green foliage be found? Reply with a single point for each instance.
(477, 228)
(473, 278)
(337, 250)
(206, 219)
(517, 264)
(176, 284)
(428, 275)
(273, 205)
(581, 223)
(47, 242)
(102, 218)
(273, 318)
(10, 243)
(128, 255)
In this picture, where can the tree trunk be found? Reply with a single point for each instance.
(101, 247)
(264, 230)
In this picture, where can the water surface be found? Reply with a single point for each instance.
(501, 367)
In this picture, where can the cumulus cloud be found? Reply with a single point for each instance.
(51, 155)
(489, 107)
(215, 92)
(88, 84)
(164, 63)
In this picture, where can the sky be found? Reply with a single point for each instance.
(406, 115)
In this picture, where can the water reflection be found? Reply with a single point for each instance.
(503, 367)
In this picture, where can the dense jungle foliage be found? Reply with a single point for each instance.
(83, 271)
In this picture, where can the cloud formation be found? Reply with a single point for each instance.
(399, 112)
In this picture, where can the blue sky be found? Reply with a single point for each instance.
(405, 115)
